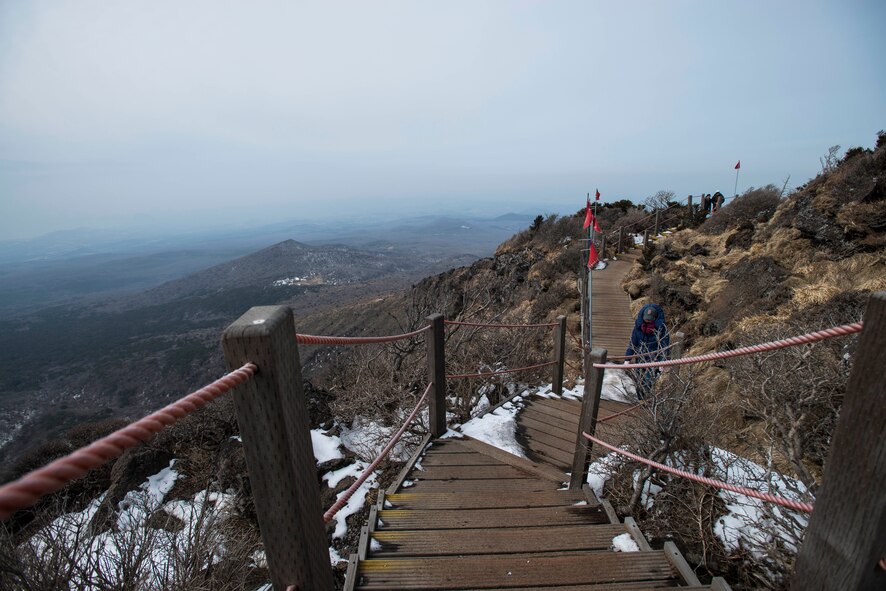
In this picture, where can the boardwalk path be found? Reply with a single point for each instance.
(547, 427)
(471, 516)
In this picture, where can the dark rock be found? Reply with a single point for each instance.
(128, 474)
(741, 238)
(163, 520)
(698, 250)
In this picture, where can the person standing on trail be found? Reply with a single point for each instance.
(649, 342)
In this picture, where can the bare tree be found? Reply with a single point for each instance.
(661, 200)
(830, 160)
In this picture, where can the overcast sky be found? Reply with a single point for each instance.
(175, 113)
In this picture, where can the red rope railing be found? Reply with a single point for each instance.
(500, 372)
(495, 325)
(623, 412)
(28, 489)
(345, 496)
(790, 504)
(309, 339)
(811, 337)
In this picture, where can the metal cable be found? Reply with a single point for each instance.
(493, 325)
(790, 504)
(495, 373)
(309, 339)
(28, 489)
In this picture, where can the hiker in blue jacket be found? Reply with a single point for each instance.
(649, 340)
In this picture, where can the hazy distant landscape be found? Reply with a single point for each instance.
(96, 325)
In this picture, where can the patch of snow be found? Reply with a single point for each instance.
(624, 543)
(497, 428)
(335, 557)
(482, 405)
(237, 438)
(326, 447)
(450, 434)
(600, 470)
(336, 476)
(367, 438)
(375, 545)
(618, 386)
(355, 503)
(407, 484)
(260, 321)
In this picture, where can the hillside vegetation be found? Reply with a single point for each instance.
(763, 267)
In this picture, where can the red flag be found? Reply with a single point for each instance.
(738, 165)
(596, 225)
(593, 259)
(589, 217)
(598, 194)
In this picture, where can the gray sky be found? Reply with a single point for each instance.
(190, 113)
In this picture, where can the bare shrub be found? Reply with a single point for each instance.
(755, 205)
(794, 395)
(206, 548)
(660, 200)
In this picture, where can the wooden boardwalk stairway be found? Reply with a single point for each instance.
(470, 516)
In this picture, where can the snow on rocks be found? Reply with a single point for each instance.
(498, 428)
(326, 447)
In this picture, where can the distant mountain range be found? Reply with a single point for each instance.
(82, 265)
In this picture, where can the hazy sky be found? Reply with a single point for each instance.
(139, 113)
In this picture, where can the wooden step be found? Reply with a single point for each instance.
(515, 570)
(431, 472)
(489, 485)
(391, 519)
(455, 542)
(457, 459)
(499, 499)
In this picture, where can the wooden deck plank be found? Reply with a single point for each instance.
(553, 441)
(500, 518)
(494, 541)
(490, 485)
(483, 499)
(458, 459)
(467, 472)
(491, 572)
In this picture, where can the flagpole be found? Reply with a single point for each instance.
(735, 190)
(590, 281)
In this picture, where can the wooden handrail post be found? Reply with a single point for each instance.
(846, 536)
(657, 218)
(436, 375)
(621, 235)
(559, 354)
(587, 422)
(645, 237)
(677, 345)
(273, 418)
(603, 247)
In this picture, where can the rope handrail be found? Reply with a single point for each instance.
(345, 496)
(790, 504)
(309, 339)
(623, 412)
(500, 372)
(30, 488)
(496, 325)
(804, 339)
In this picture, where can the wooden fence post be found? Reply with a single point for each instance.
(657, 218)
(435, 340)
(559, 354)
(645, 237)
(603, 247)
(846, 536)
(273, 419)
(621, 235)
(587, 422)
